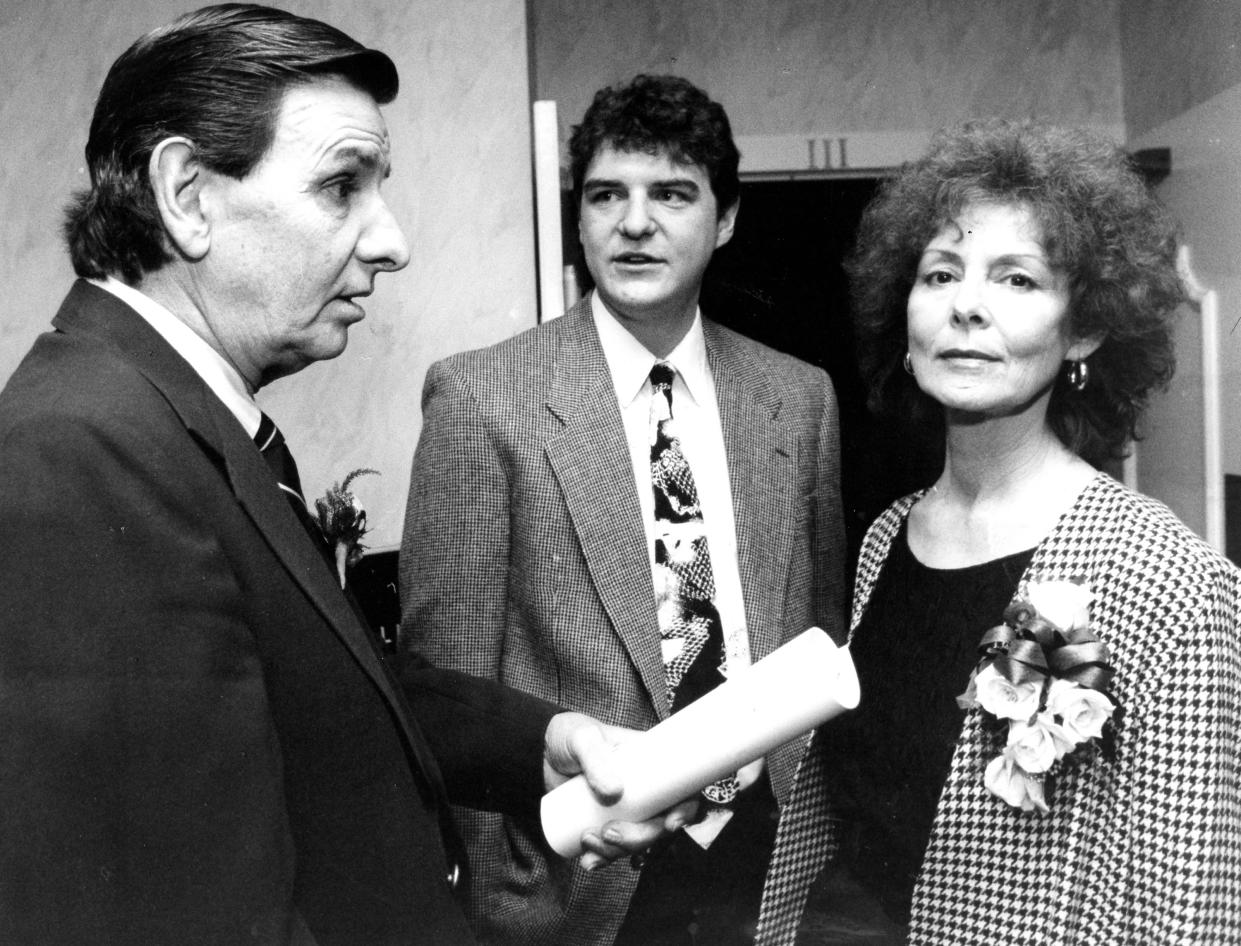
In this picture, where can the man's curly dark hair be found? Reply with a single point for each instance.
(655, 114)
(1100, 227)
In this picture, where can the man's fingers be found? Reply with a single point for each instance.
(680, 815)
(595, 752)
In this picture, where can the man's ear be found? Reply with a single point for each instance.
(724, 226)
(177, 179)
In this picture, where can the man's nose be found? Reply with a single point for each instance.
(382, 243)
(637, 220)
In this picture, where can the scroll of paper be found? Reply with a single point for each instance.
(791, 691)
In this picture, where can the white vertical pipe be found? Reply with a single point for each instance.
(1212, 428)
(1206, 301)
(547, 211)
(572, 291)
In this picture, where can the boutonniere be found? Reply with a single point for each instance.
(343, 521)
(1046, 674)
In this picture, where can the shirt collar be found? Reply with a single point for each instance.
(223, 379)
(630, 362)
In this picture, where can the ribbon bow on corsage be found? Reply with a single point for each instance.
(1045, 672)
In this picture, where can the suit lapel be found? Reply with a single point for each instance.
(252, 484)
(99, 313)
(590, 458)
(762, 460)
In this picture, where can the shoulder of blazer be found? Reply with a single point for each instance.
(554, 364)
(100, 335)
(778, 380)
(1112, 528)
(538, 345)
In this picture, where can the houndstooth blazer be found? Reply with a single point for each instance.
(524, 559)
(1143, 850)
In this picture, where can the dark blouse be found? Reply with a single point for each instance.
(914, 649)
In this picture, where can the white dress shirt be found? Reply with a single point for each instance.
(208, 364)
(701, 435)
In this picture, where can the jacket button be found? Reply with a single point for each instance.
(454, 877)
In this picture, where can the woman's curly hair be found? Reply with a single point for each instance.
(1100, 226)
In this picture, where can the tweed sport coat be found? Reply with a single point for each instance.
(525, 560)
(199, 743)
(1143, 850)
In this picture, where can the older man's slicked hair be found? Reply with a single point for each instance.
(216, 77)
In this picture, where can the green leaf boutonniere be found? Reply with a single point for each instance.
(343, 521)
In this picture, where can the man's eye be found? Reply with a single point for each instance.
(672, 197)
(342, 188)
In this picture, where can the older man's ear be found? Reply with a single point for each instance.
(177, 180)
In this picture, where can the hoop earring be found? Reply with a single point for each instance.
(909, 364)
(1078, 375)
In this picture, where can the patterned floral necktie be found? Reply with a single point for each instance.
(803, 843)
(692, 636)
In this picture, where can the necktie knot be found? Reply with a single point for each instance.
(268, 436)
(662, 374)
(279, 459)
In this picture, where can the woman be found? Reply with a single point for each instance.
(1015, 288)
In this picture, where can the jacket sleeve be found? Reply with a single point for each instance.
(140, 789)
(454, 573)
(487, 738)
(455, 544)
(830, 591)
(1185, 824)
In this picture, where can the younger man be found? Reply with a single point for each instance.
(616, 509)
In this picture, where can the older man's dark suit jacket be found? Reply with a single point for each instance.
(524, 559)
(198, 741)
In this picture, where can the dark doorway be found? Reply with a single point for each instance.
(780, 280)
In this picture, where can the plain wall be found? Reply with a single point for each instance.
(788, 67)
(460, 187)
(1176, 54)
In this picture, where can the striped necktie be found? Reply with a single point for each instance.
(280, 461)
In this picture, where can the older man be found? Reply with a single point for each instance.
(199, 742)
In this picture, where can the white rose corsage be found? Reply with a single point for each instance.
(1046, 674)
(343, 521)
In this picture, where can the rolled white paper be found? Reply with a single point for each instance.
(791, 691)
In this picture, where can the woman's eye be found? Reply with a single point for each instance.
(1021, 281)
(937, 277)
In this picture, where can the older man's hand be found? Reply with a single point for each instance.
(578, 744)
